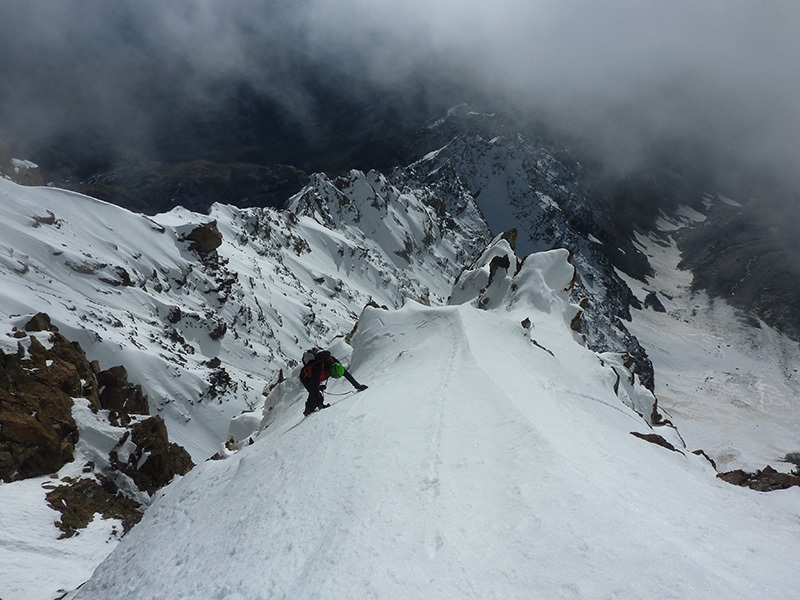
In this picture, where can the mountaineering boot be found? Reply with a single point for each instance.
(314, 409)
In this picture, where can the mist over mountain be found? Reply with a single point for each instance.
(714, 81)
(151, 106)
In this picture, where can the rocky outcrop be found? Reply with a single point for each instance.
(205, 238)
(78, 500)
(763, 480)
(38, 434)
(153, 461)
(652, 301)
(37, 431)
(40, 322)
(120, 397)
(656, 439)
(37, 387)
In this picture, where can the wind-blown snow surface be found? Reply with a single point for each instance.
(478, 464)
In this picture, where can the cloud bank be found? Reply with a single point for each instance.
(718, 77)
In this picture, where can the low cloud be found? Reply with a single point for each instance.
(718, 78)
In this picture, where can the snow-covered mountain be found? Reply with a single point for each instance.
(203, 312)
(270, 282)
(524, 183)
(727, 379)
(492, 454)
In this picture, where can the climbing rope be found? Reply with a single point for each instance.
(342, 394)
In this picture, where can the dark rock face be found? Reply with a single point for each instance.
(205, 239)
(38, 434)
(40, 322)
(498, 262)
(749, 256)
(656, 439)
(652, 301)
(120, 396)
(37, 431)
(164, 459)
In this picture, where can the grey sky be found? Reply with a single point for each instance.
(625, 74)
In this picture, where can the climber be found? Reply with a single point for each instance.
(318, 365)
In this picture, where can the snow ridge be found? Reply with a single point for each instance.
(524, 183)
(478, 464)
(203, 333)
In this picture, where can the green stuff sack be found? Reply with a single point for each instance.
(336, 370)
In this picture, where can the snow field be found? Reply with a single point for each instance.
(730, 388)
(283, 281)
(476, 465)
(34, 563)
(486, 460)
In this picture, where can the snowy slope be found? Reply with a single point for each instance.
(730, 388)
(478, 464)
(491, 455)
(34, 563)
(522, 182)
(202, 334)
(129, 290)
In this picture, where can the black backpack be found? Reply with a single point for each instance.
(314, 354)
(311, 357)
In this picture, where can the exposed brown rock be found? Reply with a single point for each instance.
(78, 502)
(9, 368)
(706, 456)
(38, 434)
(164, 459)
(31, 445)
(764, 480)
(37, 431)
(40, 322)
(120, 396)
(656, 439)
(205, 238)
(576, 324)
(737, 477)
(511, 237)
